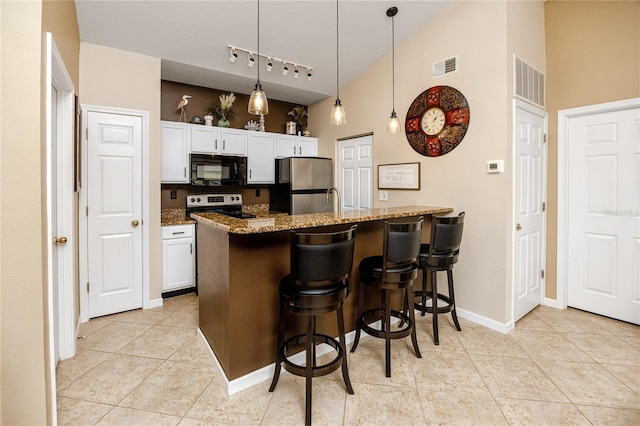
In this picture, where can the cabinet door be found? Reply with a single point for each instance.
(286, 146)
(307, 147)
(177, 264)
(204, 139)
(234, 142)
(260, 157)
(175, 153)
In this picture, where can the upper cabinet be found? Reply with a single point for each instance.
(175, 152)
(234, 141)
(204, 139)
(261, 163)
(296, 146)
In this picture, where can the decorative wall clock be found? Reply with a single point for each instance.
(437, 121)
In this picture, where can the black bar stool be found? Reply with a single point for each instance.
(394, 270)
(321, 264)
(440, 255)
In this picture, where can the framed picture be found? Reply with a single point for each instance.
(399, 176)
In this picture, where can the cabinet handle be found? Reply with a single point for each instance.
(216, 145)
(299, 150)
(294, 150)
(178, 233)
(184, 172)
(223, 144)
(249, 173)
(191, 248)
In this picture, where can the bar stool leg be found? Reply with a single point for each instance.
(387, 331)
(412, 317)
(358, 317)
(279, 343)
(424, 292)
(452, 300)
(345, 369)
(434, 306)
(311, 325)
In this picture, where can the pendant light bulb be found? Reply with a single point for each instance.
(393, 126)
(258, 103)
(338, 116)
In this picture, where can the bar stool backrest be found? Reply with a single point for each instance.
(401, 243)
(446, 234)
(322, 259)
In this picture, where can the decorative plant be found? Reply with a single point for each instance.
(298, 113)
(224, 107)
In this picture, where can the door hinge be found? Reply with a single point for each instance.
(545, 138)
(87, 286)
(542, 273)
(544, 206)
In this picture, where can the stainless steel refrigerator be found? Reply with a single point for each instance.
(302, 184)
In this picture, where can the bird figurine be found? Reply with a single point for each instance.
(183, 103)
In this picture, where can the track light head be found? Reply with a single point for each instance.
(296, 72)
(269, 64)
(285, 68)
(233, 55)
(308, 74)
(251, 60)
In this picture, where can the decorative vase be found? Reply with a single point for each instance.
(208, 120)
(223, 122)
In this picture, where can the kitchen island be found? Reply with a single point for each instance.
(241, 262)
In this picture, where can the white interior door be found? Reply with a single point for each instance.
(355, 168)
(114, 222)
(529, 196)
(603, 230)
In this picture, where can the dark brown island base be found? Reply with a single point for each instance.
(241, 262)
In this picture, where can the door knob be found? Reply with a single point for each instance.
(518, 227)
(60, 240)
(135, 223)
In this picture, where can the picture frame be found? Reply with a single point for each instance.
(399, 176)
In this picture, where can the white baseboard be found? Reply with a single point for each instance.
(155, 303)
(553, 303)
(503, 328)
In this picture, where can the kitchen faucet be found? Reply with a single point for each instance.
(337, 191)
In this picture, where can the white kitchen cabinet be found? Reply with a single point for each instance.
(296, 146)
(175, 152)
(178, 257)
(204, 139)
(307, 146)
(261, 163)
(234, 141)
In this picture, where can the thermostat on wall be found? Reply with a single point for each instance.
(495, 166)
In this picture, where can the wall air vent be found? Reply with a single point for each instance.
(529, 82)
(445, 66)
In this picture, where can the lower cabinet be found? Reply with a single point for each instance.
(178, 257)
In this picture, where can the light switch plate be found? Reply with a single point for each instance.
(495, 166)
(383, 195)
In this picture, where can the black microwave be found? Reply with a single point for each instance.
(218, 170)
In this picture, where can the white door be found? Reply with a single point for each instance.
(355, 168)
(529, 199)
(603, 230)
(114, 223)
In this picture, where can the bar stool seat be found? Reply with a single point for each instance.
(321, 265)
(396, 269)
(440, 254)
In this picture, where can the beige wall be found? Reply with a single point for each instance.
(22, 269)
(593, 56)
(116, 78)
(477, 31)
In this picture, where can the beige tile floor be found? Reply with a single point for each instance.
(555, 368)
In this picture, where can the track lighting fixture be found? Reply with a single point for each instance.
(253, 58)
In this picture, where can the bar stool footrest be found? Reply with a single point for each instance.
(378, 314)
(317, 371)
(429, 309)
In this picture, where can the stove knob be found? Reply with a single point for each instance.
(198, 199)
(192, 199)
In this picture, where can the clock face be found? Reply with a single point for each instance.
(433, 121)
(437, 120)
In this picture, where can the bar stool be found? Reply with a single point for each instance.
(321, 264)
(394, 270)
(440, 255)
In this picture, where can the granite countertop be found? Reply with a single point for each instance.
(170, 217)
(273, 222)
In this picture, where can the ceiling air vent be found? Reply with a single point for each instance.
(529, 82)
(445, 66)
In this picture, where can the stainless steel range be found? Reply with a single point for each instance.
(227, 204)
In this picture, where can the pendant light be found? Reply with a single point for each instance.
(338, 116)
(394, 122)
(258, 103)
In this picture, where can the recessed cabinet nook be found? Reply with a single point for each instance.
(261, 148)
